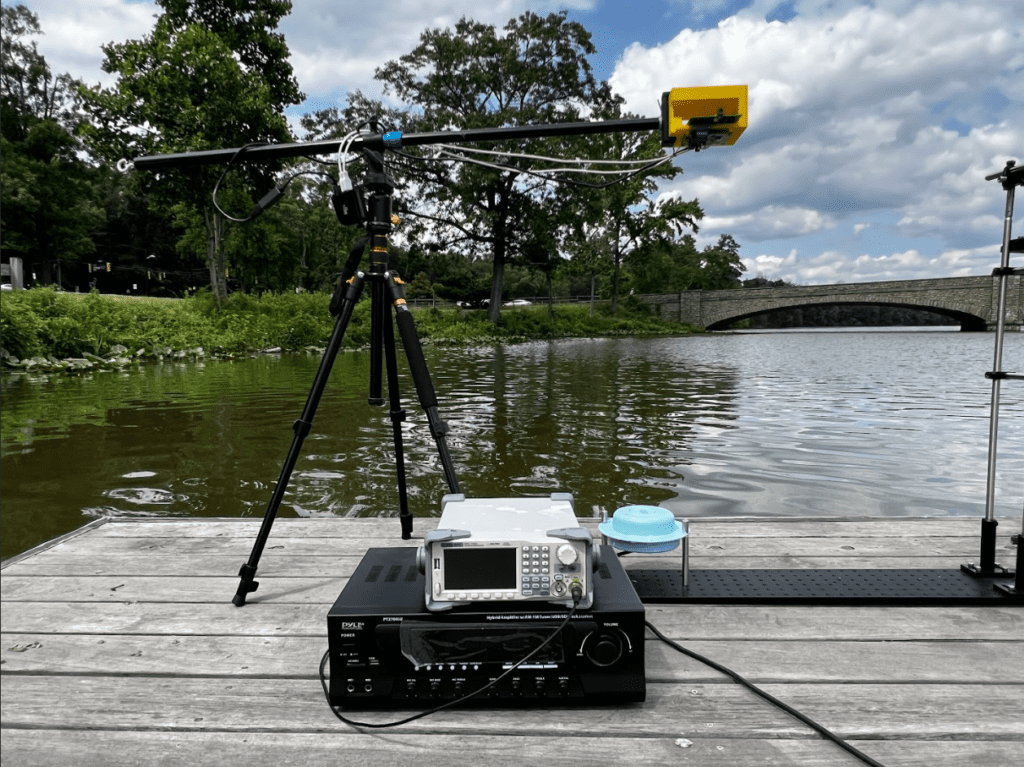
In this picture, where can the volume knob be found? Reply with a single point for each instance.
(567, 554)
(604, 650)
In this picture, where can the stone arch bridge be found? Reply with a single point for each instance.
(971, 301)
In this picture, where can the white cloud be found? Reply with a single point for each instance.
(73, 33)
(771, 221)
(899, 106)
(335, 45)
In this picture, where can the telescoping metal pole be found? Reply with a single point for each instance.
(987, 566)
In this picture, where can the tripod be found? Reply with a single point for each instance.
(703, 105)
(385, 287)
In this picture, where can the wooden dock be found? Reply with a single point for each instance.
(121, 647)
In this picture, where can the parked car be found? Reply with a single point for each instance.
(518, 302)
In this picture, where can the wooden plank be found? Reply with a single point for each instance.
(273, 567)
(114, 588)
(115, 748)
(891, 711)
(741, 622)
(387, 527)
(794, 661)
(86, 529)
(902, 548)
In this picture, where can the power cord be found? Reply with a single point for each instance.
(820, 729)
(577, 596)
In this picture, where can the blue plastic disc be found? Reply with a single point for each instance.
(647, 529)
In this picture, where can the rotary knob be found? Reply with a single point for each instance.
(603, 649)
(567, 554)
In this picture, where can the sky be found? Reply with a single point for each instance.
(872, 125)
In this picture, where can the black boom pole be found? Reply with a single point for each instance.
(394, 140)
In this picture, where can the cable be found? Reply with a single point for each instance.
(577, 160)
(268, 200)
(768, 697)
(624, 175)
(323, 680)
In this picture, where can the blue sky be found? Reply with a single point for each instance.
(872, 124)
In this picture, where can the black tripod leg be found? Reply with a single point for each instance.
(301, 427)
(378, 318)
(397, 417)
(421, 378)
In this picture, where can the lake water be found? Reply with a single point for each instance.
(826, 423)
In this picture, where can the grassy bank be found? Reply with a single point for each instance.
(43, 325)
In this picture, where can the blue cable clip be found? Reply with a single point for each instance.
(393, 139)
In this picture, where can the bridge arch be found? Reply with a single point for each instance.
(971, 301)
(967, 322)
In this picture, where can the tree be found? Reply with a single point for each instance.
(211, 75)
(720, 265)
(623, 218)
(473, 76)
(49, 201)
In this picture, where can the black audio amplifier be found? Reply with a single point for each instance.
(388, 651)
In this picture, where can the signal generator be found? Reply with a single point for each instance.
(508, 550)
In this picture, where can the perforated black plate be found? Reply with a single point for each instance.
(897, 587)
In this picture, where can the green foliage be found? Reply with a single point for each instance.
(49, 201)
(473, 75)
(20, 328)
(66, 325)
(211, 75)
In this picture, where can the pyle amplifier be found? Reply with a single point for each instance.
(388, 651)
(508, 550)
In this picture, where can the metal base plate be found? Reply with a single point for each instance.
(834, 587)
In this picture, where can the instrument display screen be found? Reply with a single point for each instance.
(480, 568)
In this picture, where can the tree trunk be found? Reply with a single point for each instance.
(497, 281)
(616, 266)
(500, 245)
(215, 255)
(616, 258)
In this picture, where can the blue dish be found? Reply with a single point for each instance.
(643, 529)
